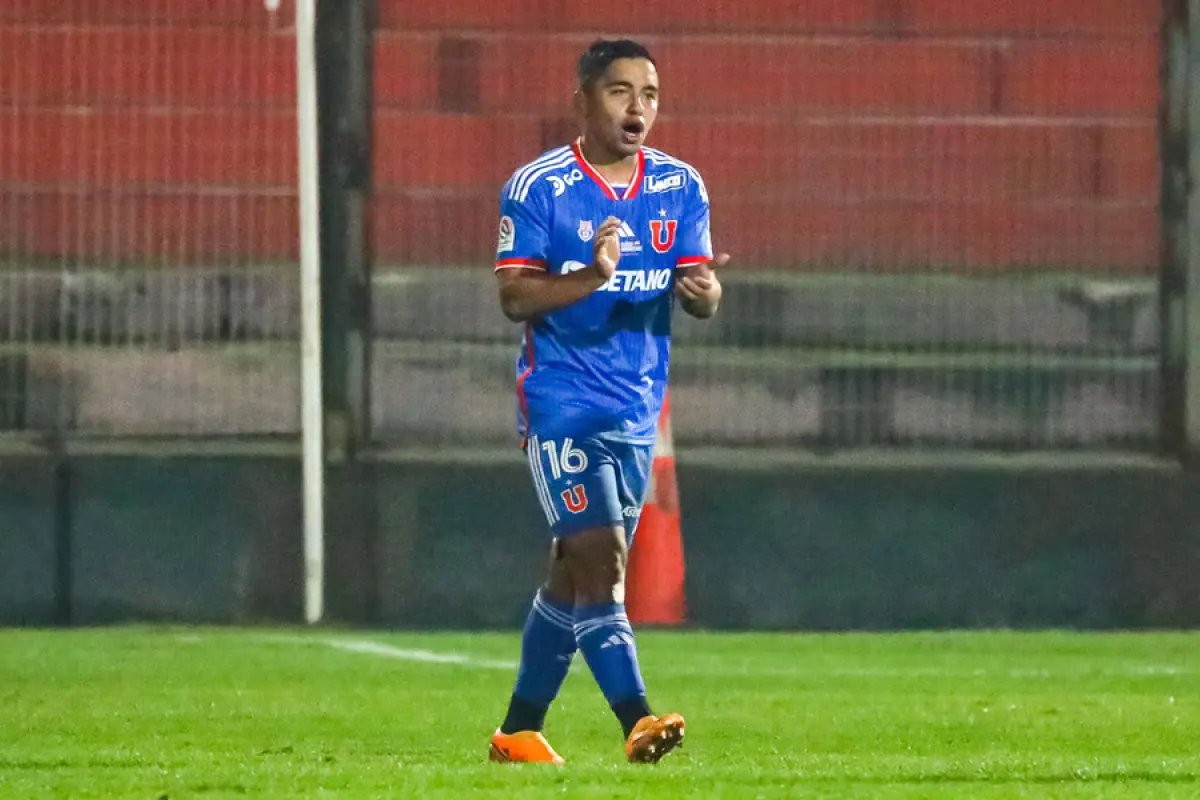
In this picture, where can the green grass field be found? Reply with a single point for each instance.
(210, 712)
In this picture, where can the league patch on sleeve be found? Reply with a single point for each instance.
(508, 235)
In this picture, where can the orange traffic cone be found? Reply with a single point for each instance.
(654, 591)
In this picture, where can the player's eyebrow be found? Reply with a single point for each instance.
(628, 85)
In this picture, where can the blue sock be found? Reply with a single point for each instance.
(547, 646)
(606, 640)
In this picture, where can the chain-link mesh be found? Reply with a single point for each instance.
(148, 227)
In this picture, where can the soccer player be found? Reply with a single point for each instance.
(598, 240)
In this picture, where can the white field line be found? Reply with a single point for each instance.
(371, 648)
(422, 656)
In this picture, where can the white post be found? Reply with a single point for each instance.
(310, 314)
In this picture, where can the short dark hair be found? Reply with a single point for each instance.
(597, 58)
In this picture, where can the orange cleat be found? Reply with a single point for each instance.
(522, 747)
(654, 737)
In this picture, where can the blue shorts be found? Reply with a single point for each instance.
(590, 482)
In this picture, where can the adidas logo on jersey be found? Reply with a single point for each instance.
(629, 240)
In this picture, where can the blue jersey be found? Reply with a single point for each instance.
(600, 364)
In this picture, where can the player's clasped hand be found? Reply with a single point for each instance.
(606, 248)
(700, 285)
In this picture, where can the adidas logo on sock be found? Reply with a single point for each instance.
(618, 640)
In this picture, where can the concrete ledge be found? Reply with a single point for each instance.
(445, 394)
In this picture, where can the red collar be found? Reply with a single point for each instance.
(635, 183)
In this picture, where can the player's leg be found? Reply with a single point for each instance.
(547, 648)
(596, 559)
(613, 486)
(653, 736)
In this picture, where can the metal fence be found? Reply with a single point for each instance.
(147, 219)
(946, 226)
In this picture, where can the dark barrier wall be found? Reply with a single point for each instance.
(205, 540)
(219, 539)
(27, 541)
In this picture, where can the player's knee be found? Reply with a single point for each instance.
(596, 563)
(601, 574)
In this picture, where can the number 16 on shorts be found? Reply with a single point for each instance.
(559, 470)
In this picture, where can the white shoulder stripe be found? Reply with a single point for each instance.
(524, 172)
(531, 179)
(521, 174)
(521, 188)
(549, 155)
(671, 162)
(660, 158)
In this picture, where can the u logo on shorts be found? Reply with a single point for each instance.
(575, 498)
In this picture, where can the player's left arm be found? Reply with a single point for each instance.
(698, 288)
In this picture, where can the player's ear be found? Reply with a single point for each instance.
(580, 101)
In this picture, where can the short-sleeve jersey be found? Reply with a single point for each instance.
(600, 364)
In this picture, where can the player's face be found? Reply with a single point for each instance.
(621, 107)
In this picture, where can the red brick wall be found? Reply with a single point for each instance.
(879, 134)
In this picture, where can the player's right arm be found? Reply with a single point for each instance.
(527, 290)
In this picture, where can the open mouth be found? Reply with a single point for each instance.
(632, 131)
